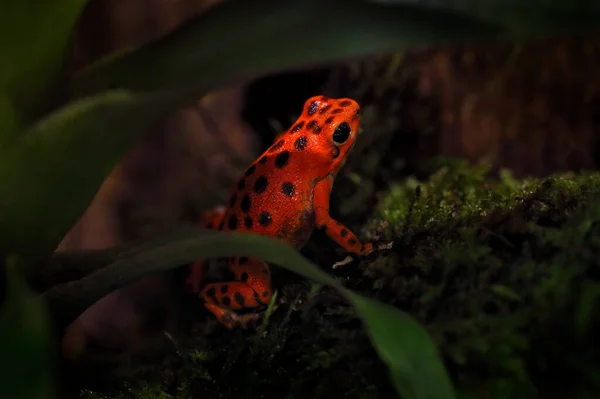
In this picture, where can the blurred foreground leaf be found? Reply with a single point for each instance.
(33, 40)
(53, 172)
(242, 39)
(402, 343)
(9, 122)
(25, 343)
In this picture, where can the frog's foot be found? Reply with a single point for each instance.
(231, 319)
(369, 254)
(250, 293)
(366, 249)
(369, 250)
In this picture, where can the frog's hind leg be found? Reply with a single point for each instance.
(211, 220)
(250, 291)
(231, 319)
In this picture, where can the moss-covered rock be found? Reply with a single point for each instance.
(502, 272)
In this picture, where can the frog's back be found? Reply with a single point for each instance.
(272, 204)
(275, 197)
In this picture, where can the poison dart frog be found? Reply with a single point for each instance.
(283, 194)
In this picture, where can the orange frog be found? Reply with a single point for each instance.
(283, 194)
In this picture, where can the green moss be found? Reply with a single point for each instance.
(503, 272)
(147, 392)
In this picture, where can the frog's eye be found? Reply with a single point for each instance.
(341, 133)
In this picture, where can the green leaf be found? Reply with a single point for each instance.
(33, 38)
(8, 119)
(25, 343)
(402, 344)
(242, 39)
(51, 174)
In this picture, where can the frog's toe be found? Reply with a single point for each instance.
(230, 319)
(249, 320)
(367, 249)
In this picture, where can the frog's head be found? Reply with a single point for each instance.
(329, 127)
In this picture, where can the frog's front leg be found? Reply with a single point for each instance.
(335, 230)
(251, 290)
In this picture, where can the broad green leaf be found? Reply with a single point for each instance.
(34, 35)
(271, 35)
(242, 39)
(399, 345)
(402, 344)
(8, 119)
(25, 342)
(50, 175)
